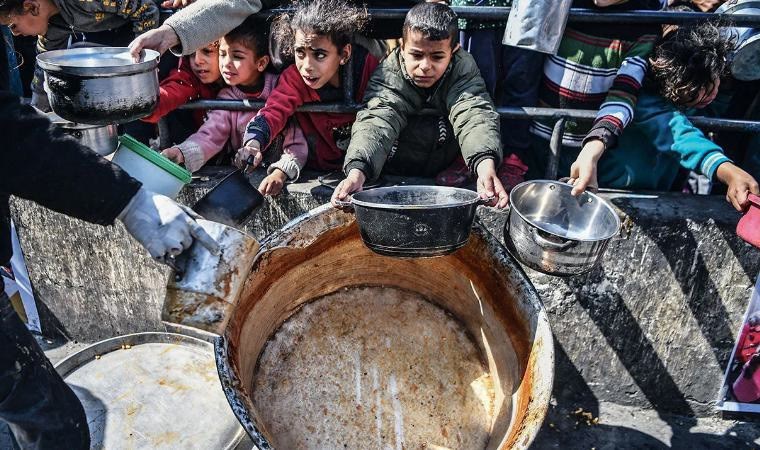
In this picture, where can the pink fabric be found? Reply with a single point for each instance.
(223, 126)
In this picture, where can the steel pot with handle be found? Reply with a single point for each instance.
(415, 221)
(102, 139)
(745, 59)
(550, 230)
(100, 85)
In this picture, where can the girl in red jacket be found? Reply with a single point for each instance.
(318, 35)
(196, 77)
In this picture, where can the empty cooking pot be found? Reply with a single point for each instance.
(102, 139)
(415, 221)
(550, 230)
(100, 85)
(745, 59)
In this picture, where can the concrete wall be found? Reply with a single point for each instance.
(652, 326)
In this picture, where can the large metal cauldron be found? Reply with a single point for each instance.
(100, 85)
(481, 285)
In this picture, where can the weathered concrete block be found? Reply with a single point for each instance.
(653, 325)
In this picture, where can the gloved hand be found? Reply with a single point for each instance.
(162, 226)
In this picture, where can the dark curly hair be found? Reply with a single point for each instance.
(11, 7)
(338, 20)
(252, 33)
(688, 59)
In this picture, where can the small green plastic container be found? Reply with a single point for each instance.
(154, 170)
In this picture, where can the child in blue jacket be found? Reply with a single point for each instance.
(685, 75)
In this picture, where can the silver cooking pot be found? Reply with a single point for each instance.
(745, 59)
(550, 230)
(102, 139)
(100, 85)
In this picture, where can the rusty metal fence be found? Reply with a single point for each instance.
(560, 116)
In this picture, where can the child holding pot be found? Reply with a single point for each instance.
(429, 69)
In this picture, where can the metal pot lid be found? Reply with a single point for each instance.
(96, 61)
(549, 206)
(152, 391)
(414, 197)
(735, 6)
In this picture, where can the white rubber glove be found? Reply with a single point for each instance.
(162, 226)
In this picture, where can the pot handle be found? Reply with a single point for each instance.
(547, 244)
(345, 205)
(485, 201)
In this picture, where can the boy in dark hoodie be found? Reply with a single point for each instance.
(55, 22)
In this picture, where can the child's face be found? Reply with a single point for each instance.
(239, 64)
(706, 95)
(28, 23)
(318, 60)
(426, 60)
(205, 64)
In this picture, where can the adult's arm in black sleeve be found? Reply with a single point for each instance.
(38, 162)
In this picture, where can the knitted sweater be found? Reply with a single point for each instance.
(601, 71)
(223, 126)
(653, 147)
(179, 87)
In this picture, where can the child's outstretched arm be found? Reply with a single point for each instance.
(209, 140)
(740, 184)
(379, 124)
(614, 115)
(477, 127)
(174, 91)
(288, 168)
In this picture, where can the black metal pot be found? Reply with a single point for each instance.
(415, 221)
(230, 202)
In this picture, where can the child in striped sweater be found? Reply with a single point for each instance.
(599, 67)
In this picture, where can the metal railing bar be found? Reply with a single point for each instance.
(500, 14)
(580, 115)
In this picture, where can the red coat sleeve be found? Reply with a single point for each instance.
(290, 93)
(180, 87)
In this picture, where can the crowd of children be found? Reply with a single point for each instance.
(642, 80)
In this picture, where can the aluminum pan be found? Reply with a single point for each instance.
(162, 392)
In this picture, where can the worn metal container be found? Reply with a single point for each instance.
(554, 232)
(100, 85)
(537, 24)
(745, 59)
(102, 139)
(480, 285)
(151, 391)
(203, 287)
(415, 221)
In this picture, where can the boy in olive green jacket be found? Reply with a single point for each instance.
(429, 70)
